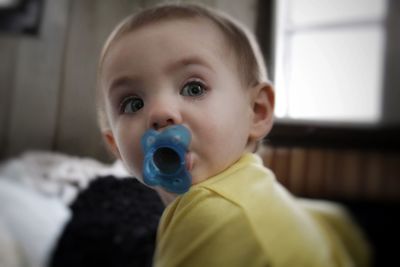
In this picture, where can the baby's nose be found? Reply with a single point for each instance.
(164, 116)
(157, 125)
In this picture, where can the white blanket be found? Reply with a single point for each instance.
(55, 174)
(35, 190)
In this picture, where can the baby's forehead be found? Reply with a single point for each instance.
(199, 27)
(189, 31)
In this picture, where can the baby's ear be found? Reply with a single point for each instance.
(111, 144)
(263, 102)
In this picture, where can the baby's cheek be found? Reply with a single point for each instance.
(132, 155)
(132, 161)
(136, 166)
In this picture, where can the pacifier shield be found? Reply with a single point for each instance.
(165, 158)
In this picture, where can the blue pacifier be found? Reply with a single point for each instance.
(164, 158)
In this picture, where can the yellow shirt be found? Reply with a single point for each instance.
(243, 217)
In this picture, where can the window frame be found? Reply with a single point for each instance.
(381, 136)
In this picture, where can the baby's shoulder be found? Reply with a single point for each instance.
(206, 205)
(206, 226)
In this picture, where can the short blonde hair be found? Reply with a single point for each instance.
(250, 62)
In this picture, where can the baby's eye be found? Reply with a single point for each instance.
(131, 104)
(193, 89)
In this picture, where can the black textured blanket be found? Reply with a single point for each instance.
(113, 223)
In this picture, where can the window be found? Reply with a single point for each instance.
(329, 60)
(335, 66)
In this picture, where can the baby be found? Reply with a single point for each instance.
(188, 65)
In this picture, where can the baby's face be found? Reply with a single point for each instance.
(177, 72)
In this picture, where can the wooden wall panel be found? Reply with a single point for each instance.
(336, 173)
(267, 155)
(37, 77)
(373, 175)
(314, 179)
(330, 175)
(391, 175)
(297, 170)
(91, 22)
(8, 51)
(350, 167)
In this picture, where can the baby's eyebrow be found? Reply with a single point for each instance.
(186, 61)
(123, 81)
